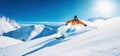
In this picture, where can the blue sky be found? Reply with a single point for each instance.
(57, 10)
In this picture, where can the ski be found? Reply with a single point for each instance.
(92, 27)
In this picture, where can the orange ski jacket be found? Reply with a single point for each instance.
(75, 22)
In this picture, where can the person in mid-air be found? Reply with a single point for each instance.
(75, 21)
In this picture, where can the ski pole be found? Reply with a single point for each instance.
(92, 27)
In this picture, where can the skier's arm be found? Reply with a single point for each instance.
(69, 21)
(80, 22)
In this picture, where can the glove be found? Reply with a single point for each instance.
(65, 24)
(85, 25)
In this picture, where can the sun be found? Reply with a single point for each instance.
(104, 7)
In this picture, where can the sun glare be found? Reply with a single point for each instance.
(104, 7)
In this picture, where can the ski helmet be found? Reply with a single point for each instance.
(75, 17)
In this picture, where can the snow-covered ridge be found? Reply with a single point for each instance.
(38, 29)
(7, 24)
(96, 18)
(47, 30)
(25, 33)
(32, 32)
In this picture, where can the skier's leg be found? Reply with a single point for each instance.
(62, 33)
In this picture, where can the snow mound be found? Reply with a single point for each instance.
(7, 25)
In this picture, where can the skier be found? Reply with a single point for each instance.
(75, 21)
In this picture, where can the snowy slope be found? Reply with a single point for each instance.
(7, 41)
(7, 25)
(31, 45)
(103, 41)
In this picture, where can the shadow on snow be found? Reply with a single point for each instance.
(49, 43)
